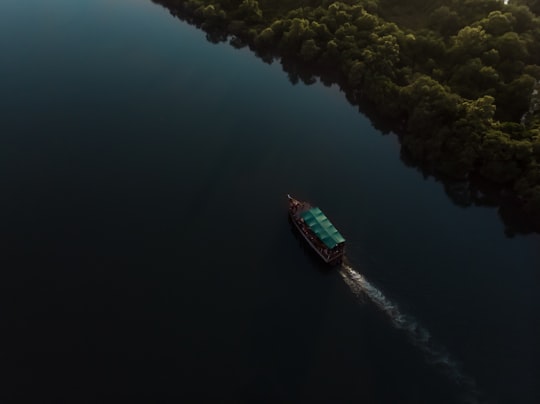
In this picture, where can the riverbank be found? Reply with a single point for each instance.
(455, 84)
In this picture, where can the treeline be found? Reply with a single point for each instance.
(460, 77)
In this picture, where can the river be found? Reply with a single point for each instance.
(146, 251)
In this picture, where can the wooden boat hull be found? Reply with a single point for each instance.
(333, 256)
(328, 260)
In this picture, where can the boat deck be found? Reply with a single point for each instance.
(298, 208)
(329, 255)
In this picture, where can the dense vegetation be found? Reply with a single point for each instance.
(460, 78)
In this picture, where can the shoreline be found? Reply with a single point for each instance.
(441, 133)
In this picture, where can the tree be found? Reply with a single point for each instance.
(533, 5)
(469, 42)
(467, 78)
(497, 153)
(510, 46)
(498, 23)
(429, 104)
(445, 21)
(356, 74)
(515, 97)
(299, 31)
(523, 16)
(266, 38)
(309, 50)
(250, 11)
(366, 22)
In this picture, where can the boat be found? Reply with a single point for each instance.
(317, 230)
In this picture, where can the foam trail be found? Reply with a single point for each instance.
(417, 334)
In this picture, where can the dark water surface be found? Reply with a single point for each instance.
(146, 253)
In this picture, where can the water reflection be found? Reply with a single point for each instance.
(473, 192)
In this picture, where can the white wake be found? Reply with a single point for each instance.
(418, 335)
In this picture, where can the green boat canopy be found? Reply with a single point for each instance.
(321, 226)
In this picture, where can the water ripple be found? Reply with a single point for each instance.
(418, 335)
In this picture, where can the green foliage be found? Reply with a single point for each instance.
(468, 78)
(515, 97)
(445, 21)
(533, 5)
(309, 50)
(532, 70)
(510, 46)
(499, 164)
(498, 23)
(331, 56)
(356, 74)
(459, 75)
(366, 22)
(266, 38)
(491, 57)
(299, 31)
(469, 42)
(523, 16)
(250, 11)
(429, 104)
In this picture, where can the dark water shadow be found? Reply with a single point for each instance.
(473, 191)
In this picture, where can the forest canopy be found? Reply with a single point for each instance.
(459, 77)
